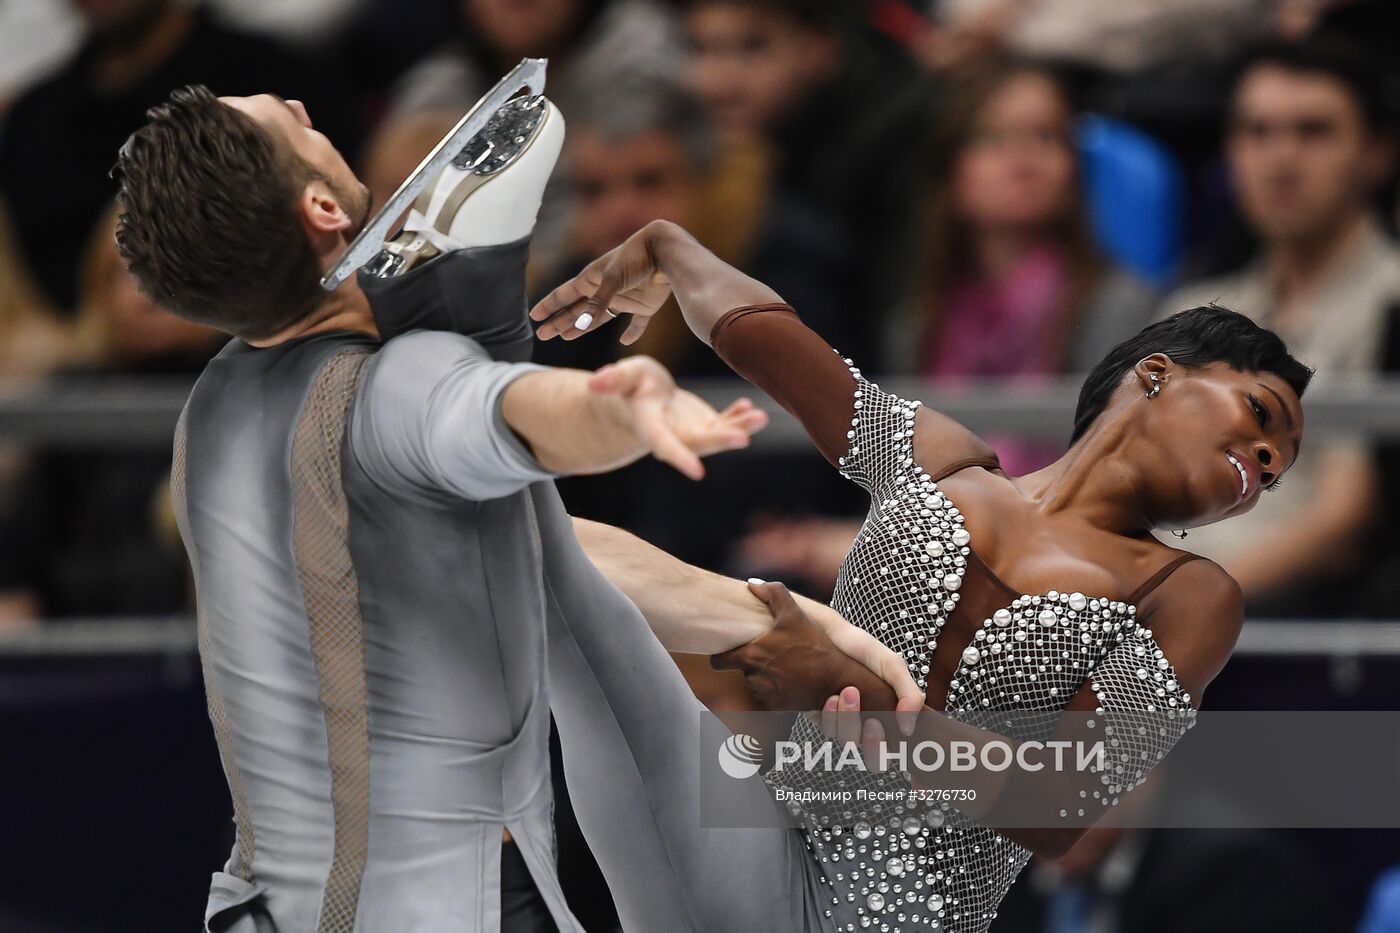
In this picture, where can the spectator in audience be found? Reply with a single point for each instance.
(840, 114)
(1011, 280)
(1127, 35)
(1011, 283)
(32, 339)
(32, 342)
(1308, 145)
(91, 531)
(645, 151)
(593, 46)
(61, 136)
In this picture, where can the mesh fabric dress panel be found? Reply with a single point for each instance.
(904, 865)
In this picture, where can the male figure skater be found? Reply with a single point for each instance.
(367, 559)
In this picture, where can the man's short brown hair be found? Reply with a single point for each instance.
(209, 224)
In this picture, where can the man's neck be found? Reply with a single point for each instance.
(346, 310)
(123, 59)
(1297, 266)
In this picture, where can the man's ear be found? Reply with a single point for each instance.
(321, 212)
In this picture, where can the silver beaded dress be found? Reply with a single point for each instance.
(899, 867)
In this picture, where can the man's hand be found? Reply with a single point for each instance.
(677, 426)
(625, 280)
(802, 661)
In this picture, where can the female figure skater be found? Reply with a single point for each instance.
(1184, 424)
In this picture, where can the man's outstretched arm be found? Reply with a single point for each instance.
(695, 611)
(436, 416)
(582, 422)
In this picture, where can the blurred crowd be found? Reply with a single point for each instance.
(956, 190)
(960, 191)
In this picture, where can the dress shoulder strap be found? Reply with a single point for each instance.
(1154, 580)
(990, 463)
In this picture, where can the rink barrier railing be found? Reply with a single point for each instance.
(157, 637)
(128, 412)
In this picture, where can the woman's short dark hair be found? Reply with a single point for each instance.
(208, 222)
(1194, 338)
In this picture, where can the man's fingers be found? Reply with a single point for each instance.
(613, 379)
(881, 660)
(664, 443)
(750, 421)
(743, 415)
(848, 716)
(906, 713)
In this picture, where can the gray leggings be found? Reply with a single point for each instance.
(629, 726)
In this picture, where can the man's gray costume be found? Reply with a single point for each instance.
(372, 629)
(377, 558)
(372, 618)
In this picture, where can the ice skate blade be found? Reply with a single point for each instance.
(528, 75)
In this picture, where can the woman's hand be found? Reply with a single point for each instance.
(626, 280)
(840, 720)
(812, 650)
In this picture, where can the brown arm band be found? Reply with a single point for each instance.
(770, 347)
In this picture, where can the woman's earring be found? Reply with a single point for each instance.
(1180, 532)
(1156, 386)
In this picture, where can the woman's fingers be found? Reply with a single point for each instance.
(828, 716)
(635, 328)
(563, 297)
(872, 741)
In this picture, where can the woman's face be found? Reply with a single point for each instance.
(1017, 169)
(1218, 440)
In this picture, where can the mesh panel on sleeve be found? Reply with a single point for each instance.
(244, 847)
(330, 588)
(881, 435)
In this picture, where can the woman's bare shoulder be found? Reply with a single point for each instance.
(940, 442)
(1196, 616)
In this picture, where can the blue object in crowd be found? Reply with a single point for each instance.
(1136, 195)
(1070, 907)
(1383, 912)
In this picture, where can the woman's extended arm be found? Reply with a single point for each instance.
(748, 326)
(744, 320)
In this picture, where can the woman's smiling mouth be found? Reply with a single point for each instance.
(1246, 475)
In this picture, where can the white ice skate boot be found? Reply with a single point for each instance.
(461, 194)
(489, 194)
